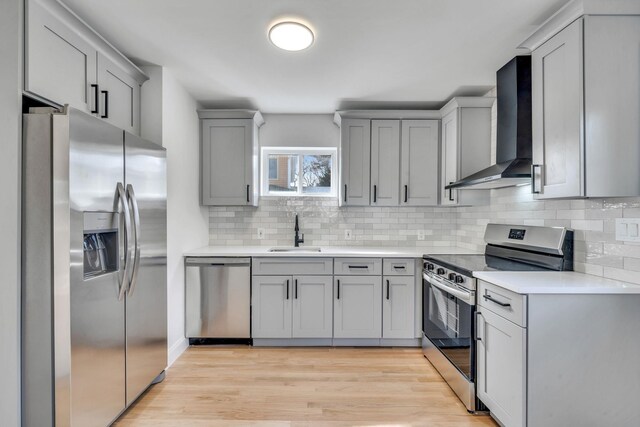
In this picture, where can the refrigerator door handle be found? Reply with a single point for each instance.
(122, 200)
(131, 197)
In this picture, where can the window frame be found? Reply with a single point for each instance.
(300, 152)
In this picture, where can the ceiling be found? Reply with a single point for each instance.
(367, 53)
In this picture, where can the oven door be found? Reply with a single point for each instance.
(448, 321)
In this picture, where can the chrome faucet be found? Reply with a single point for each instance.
(297, 239)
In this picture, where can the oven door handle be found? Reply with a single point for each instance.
(464, 296)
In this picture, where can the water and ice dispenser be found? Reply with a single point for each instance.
(100, 244)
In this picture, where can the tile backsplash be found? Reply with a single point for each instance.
(324, 223)
(596, 250)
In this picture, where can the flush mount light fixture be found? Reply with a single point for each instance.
(290, 35)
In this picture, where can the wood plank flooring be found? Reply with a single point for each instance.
(242, 386)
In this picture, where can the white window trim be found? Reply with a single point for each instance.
(264, 173)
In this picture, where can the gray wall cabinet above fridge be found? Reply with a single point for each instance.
(585, 85)
(229, 157)
(67, 62)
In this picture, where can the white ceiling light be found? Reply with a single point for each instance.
(291, 36)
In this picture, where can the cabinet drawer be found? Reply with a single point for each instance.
(510, 305)
(358, 266)
(292, 266)
(398, 267)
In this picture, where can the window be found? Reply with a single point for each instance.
(298, 171)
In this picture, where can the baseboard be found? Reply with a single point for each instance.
(292, 342)
(177, 349)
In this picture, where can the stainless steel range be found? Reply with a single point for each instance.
(449, 295)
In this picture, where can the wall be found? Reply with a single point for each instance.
(322, 222)
(10, 147)
(187, 221)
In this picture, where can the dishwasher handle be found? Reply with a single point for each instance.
(218, 262)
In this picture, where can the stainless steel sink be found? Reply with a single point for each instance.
(294, 249)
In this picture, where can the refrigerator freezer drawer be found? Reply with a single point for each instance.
(218, 298)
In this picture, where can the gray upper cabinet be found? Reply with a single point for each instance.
(385, 162)
(466, 147)
(66, 62)
(355, 150)
(119, 96)
(419, 163)
(585, 82)
(229, 161)
(389, 162)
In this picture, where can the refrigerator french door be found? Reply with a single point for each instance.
(94, 268)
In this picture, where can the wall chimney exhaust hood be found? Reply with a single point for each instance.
(513, 145)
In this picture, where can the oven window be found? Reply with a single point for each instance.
(447, 322)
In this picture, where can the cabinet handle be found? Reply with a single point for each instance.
(345, 192)
(533, 179)
(399, 267)
(248, 187)
(375, 193)
(338, 289)
(406, 193)
(451, 193)
(106, 104)
(500, 303)
(96, 98)
(387, 290)
(477, 325)
(296, 289)
(358, 266)
(287, 288)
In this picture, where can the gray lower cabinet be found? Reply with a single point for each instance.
(229, 157)
(585, 108)
(398, 308)
(271, 307)
(502, 367)
(357, 309)
(292, 307)
(355, 166)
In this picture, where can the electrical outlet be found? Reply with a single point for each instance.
(260, 233)
(628, 229)
(348, 235)
(420, 234)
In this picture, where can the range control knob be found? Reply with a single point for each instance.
(430, 267)
(452, 276)
(440, 271)
(459, 279)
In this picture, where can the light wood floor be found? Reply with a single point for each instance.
(240, 386)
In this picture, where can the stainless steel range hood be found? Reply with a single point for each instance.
(513, 145)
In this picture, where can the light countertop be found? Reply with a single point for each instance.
(326, 251)
(556, 282)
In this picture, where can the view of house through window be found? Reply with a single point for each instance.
(298, 171)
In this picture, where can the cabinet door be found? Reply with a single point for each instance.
(312, 306)
(271, 306)
(449, 156)
(357, 307)
(355, 162)
(502, 367)
(419, 166)
(227, 162)
(557, 104)
(60, 65)
(119, 96)
(398, 318)
(385, 162)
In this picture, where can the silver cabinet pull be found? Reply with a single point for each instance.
(533, 179)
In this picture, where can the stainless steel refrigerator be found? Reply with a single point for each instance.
(94, 306)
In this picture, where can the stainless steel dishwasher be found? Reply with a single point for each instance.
(218, 297)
